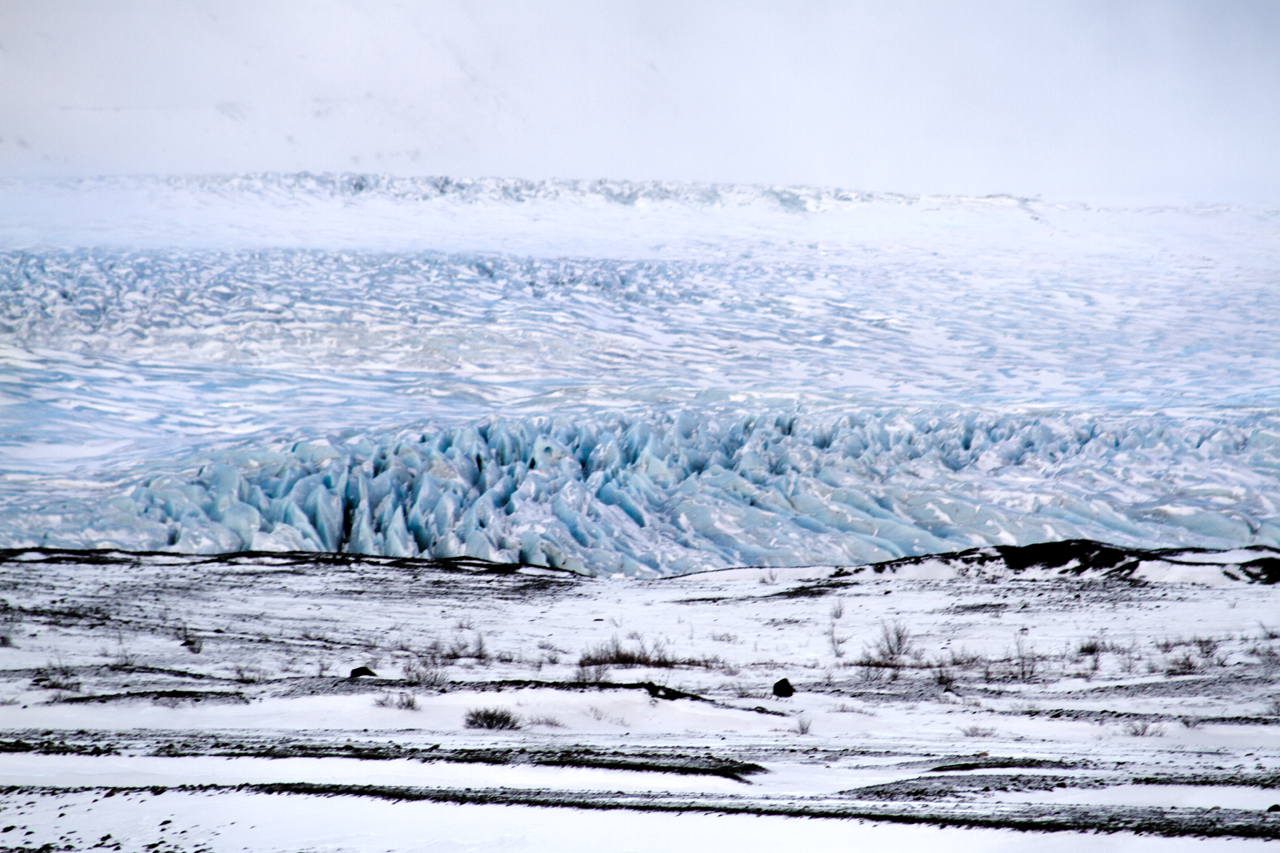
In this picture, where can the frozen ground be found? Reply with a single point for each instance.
(639, 378)
(205, 703)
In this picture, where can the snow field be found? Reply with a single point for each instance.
(264, 822)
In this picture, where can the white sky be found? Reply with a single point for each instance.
(1114, 100)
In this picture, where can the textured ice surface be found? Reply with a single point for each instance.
(628, 377)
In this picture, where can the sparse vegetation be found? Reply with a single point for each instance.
(56, 675)
(491, 718)
(803, 724)
(546, 721)
(977, 731)
(613, 653)
(1142, 728)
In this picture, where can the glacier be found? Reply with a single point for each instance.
(636, 378)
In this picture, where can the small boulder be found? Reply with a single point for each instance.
(363, 671)
(783, 689)
(1275, 807)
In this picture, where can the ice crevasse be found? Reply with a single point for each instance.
(673, 493)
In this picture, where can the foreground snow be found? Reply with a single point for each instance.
(212, 692)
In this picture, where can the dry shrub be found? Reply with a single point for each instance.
(491, 718)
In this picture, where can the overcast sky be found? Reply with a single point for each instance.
(1115, 100)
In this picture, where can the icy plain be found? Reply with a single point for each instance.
(187, 703)
(640, 378)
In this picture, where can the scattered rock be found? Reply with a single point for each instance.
(783, 689)
(1275, 807)
(362, 671)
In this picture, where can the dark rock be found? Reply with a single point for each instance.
(783, 689)
(363, 670)
(1275, 807)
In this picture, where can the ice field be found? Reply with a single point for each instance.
(639, 378)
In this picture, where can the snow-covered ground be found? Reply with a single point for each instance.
(639, 378)
(214, 693)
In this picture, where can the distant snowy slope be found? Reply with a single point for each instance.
(628, 377)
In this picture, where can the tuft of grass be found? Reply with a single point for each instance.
(404, 702)
(965, 659)
(491, 718)
(836, 640)
(1208, 646)
(803, 724)
(425, 670)
(977, 731)
(1269, 633)
(596, 674)
(122, 660)
(1142, 728)
(1091, 647)
(249, 674)
(56, 675)
(461, 647)
(189, 641)
(1128, 657)
(1183, 665)
(546, 721)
